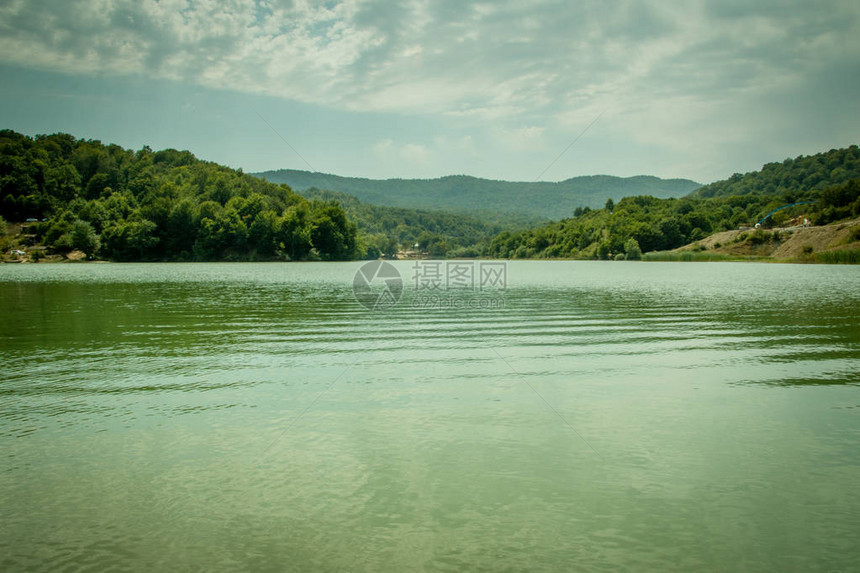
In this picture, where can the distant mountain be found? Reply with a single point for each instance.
(803, 173)
(466, 194)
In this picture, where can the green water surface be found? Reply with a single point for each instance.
(599, 417)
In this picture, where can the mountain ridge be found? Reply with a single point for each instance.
(804, 172)
(475, 195)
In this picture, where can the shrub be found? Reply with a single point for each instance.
(759, 236)
(631, 247)
(84, 238)
(603, 250)
(842, 256)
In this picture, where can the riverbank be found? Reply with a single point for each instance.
(837, 243)
(37, 254)
(834, 243)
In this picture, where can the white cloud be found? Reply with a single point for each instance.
(417, 56)
(416, 153)
(670, 75)
(522, 138)
(394, 154)
(382, 149)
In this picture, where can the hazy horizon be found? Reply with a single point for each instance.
(472, 176)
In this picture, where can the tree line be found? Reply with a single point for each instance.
(382, 230)
(641, 224)
(805, 172)
(127, 205)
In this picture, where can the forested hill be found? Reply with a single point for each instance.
(826, 186)
(120, 204)
(383, 230)
(640, 224)
(804, 173)
(484, 197)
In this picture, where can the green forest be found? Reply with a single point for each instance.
(818, 171)
(517, 203)
(117, 204)
(641, 224)
(382, 230)
(124, 205)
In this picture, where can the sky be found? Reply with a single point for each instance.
(509, 89)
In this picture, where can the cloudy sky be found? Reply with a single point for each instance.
(420, 88)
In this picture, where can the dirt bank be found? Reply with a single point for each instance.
(790, 243)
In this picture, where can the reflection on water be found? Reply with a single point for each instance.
(255, 417)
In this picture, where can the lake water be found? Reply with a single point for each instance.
(590, 417)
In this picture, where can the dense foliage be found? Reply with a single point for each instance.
(382, 230)
(642, 224)
(164, 205)
(818, 171)
(115, 203)
(504, 202)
